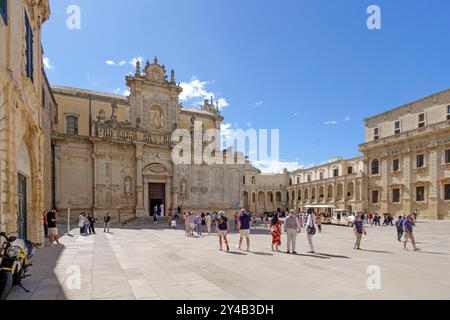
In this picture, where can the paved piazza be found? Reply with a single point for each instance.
(142, 261)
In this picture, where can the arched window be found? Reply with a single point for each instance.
(330, 192)
(278, 195)
(243, 180)
(350, 189)
(253, 180)
(72, 125)
(375, 166)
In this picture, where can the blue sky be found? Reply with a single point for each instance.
(309, 68)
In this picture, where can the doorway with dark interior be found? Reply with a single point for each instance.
(156, 197)
(22, 207)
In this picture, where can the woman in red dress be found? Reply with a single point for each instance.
(275, 228)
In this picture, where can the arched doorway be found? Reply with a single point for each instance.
(246, 202)
(157, 186)
(24, 190)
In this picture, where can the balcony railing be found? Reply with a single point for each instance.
(131, 135)
(408, 134)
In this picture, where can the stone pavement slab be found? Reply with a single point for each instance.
(148, 262)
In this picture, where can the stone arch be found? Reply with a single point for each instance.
(313, 193)
(27, 167)
(340, 190)
(306, 194)
(278, 196)
(246, 200)
(299, 195)
(330, 191)
(261, 197)
(350, 189)
(270, 197)
(321, 192)
(253, 197)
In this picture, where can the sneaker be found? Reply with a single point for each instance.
(288, 252)
(293, 252)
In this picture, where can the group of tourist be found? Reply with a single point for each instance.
(374, 219)
(243, 221)
(404, 225)
(289, 221)
(292, 224)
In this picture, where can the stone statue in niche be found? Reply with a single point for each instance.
(183, 188)
(182, 197)
(156, 118)
(128, 186)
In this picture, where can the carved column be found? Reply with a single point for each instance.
(384, 182)
(407, 171)
(140, 212)
(433, 173)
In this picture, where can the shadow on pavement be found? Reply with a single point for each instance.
(333, 256)
(377, 251)
(236, 253)
(262, 253)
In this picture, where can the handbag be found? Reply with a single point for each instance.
(311, 230)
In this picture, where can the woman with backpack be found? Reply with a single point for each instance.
(311, 229)
(222, 228)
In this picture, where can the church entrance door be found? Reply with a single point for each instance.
(157, 198)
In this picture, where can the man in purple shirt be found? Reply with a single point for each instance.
(408, 233)
(359, 230)
(244, 228)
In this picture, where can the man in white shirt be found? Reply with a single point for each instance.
(292, 229)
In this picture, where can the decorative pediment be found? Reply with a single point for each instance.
(154, 72)
(156, 169)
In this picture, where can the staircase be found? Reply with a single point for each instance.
(147, 221)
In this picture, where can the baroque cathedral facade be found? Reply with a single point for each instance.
(114, 154)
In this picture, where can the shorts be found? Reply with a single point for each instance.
(408, 237)
(52, 231)
(223, 232)
(245, 233)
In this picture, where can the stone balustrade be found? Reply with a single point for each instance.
(408, 134)
(132, 135)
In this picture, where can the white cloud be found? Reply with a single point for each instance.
(347, 119)
(195, 92)
(47, 64)
(259, 103)
(297, 114)
(331, 123)
(276, 166)
(115, 64)
(122, 92)
(135, 60)
(227, 132)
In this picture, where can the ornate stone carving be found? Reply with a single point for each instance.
(155, 169)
